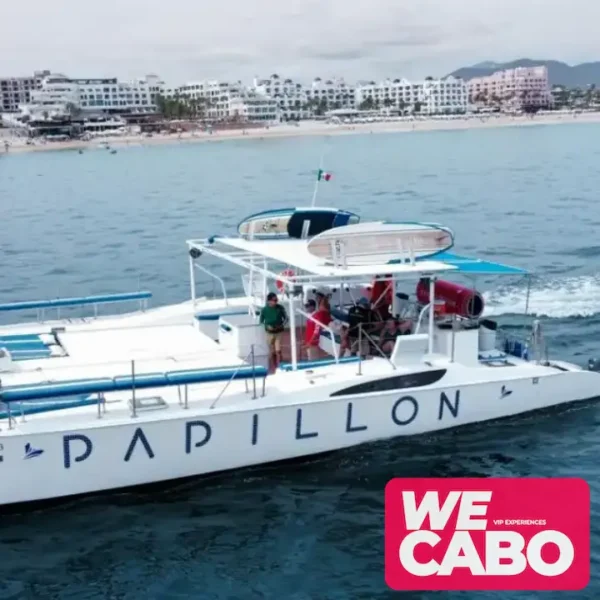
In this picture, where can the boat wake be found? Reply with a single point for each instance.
(557, 298)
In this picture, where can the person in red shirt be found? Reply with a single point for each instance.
(313, 331)
(382, 296)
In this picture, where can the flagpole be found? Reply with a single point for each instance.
(314, 198)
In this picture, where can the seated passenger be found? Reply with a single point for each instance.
(388, 336)
(360, 316)
(405, 326)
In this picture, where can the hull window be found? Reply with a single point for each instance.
(398, 382)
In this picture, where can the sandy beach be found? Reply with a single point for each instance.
(306, 128)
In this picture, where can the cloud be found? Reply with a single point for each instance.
(185, 39)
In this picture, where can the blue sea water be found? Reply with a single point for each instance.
(74, 224)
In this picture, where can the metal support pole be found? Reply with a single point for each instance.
(293, 333)
(528, 295)
(431, 314)
(453, 337)
(395, 300)
(192, 285)
(99, 403)
(360, 348)
(185, 396)
(133, 406)
(253, 373)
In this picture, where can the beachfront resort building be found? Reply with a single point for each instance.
(516, 88)
(58, 96)
(58, 99)
(330, 94)
(429, 97)
(220, 100)
(290, 96)
(15, 91)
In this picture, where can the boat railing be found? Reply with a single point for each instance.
(214, 277)
(41, 306)
(133, 382)
(426, 310)
(251, 357)
(362, 334)
(531, 345)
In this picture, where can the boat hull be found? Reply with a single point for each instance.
(193, 442)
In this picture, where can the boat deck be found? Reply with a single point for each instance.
(109, 352)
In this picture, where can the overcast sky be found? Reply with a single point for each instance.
(184, 40)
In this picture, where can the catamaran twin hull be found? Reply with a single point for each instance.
(117, 451)
(193, 401)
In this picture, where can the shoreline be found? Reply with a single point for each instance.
(304, 129)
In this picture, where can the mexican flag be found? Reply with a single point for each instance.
(323, 176)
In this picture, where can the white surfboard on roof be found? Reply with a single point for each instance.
(380, 241)
(294, 223)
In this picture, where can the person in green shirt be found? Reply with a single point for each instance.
(274, 318)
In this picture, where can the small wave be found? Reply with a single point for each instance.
(584, 252)
(555, 298)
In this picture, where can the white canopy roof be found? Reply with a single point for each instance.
(293, 252)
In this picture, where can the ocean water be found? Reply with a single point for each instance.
(74, 224)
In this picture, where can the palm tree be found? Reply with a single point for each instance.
(322, 106)
(73, 110)
(161, 104)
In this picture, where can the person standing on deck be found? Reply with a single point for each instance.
(322, 316)
(274, 317)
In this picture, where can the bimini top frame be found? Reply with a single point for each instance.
(269, 257)
(274, 258)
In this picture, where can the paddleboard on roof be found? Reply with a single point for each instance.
(380, 242)
(294, 223)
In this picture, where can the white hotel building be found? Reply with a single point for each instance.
(223, 100)
(334, 93)
(290, 96)
(58, 96)
(434, 97)
(15, 91)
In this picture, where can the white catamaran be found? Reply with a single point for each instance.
(109, 402)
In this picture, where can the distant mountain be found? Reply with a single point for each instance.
(559, 73)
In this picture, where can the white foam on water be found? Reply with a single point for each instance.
(554, 298)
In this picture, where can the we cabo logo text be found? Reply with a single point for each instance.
(487, 534)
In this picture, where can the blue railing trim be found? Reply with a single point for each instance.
(30, 354)
(19, 337)
(79, 387)
(69, 402)
(81, 301)
(314, 364)
(216, 316)
(11, 346)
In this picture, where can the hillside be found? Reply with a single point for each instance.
(559, 73)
